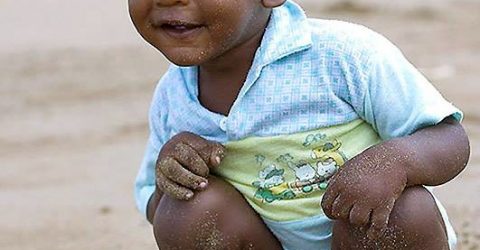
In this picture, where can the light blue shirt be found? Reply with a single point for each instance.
(306, 74)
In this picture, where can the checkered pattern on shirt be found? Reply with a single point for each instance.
(306, 74)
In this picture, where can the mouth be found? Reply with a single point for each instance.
(177, 28)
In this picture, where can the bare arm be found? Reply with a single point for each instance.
(436, 154)
(373, 180)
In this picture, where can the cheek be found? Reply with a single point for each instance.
(228, 27)
(139, 10)
(226, 16)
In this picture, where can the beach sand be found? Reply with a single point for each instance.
(75, 86)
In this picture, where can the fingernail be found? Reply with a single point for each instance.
(202, 185)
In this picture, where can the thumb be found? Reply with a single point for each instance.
(216, 153)
(211, 152)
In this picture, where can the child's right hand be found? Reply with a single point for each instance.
(184, 163)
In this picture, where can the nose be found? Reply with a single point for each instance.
(167, 3)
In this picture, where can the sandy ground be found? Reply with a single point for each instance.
(75, 86)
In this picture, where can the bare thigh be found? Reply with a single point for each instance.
(415, 223)
(216, 218)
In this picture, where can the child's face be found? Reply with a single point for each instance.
(192, 32)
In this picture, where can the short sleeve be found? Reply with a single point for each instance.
(395, 98)
(145, 180)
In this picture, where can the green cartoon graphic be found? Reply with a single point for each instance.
(313, 138)
(329, 159)
(271, 185)
(304, 176)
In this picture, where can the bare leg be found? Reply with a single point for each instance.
(415, 223)
(216, 218)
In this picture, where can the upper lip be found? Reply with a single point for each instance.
(174, 20)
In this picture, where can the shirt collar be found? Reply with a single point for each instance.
(287, 32)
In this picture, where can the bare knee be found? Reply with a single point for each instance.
(188, 224)
(415, 223)
(417, 215)
(216, 218)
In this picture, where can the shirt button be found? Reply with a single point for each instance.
(223, 124)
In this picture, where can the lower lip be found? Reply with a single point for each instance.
(182, 34)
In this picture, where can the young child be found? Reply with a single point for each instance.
(271, 130)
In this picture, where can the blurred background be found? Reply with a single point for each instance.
(75, 86)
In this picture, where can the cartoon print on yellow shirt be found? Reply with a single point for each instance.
(272, 185)
(310, 174)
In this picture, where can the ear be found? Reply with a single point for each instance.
(272, 3)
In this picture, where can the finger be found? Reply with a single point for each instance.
(327, 203)
(341, 207)
(217, 153)
(172, 189)
(190, 159)
(329, 197)
(180, 175)
(211, 152)
(379, 221)
(359, 215)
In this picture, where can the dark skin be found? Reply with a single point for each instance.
(215, 68)
(365, 190)
(211, 34)
(219, 39)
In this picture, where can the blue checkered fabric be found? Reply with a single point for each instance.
(306, 74)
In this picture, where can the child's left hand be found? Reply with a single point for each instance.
(364, 191)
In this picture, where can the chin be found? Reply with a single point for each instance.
(182, 63)
(186, 63)
(185, 57)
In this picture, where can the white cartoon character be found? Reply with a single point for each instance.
(270, 177)
(304, 171)
(327, 168)
(271, 186)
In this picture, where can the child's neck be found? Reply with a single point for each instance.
(221, 79)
